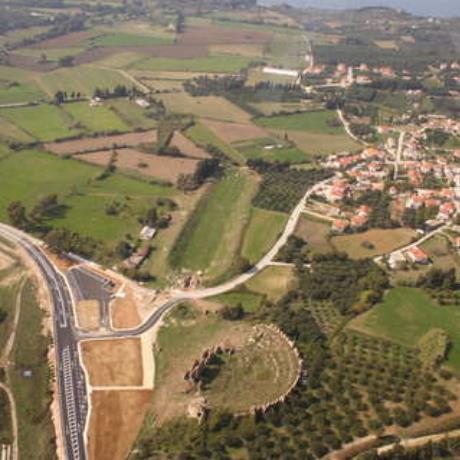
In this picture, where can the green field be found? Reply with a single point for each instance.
(16, 92)
(211, 238)
(9, 131)
(273, 282)
(32, 395)
(127, 39)
(250, 301)
(82, 79)
(406, 315)
(43, 122)
(210, 64)
(95, 119)
(321, 121)
(201, 135)
(132, 114)
(263, 230)
(27, 176)
(17, 85)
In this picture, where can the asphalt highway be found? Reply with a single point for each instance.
(69, 373)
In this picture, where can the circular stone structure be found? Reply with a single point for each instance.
(255, 376)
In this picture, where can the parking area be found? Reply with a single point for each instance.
(88, 285)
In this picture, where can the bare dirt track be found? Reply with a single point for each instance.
(91, 144)
(161, 167)
(235, 132)
(116, 418)
(113, 362)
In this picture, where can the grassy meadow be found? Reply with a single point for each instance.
(29, 175)
(263, 230)
(211, 238)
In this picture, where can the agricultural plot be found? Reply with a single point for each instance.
(118, 39)
(29, 175)
(263, 230)
(316, 233)
(272, 108)
(13, 92)
(234, 131)
(319, 121)
(210, 64)
(213, 107)
(93, 144)
(51, 54)
(201, 135)
(43, 122)
(373, 242)
(187, 147)
(321, 144)
(161, 167)
(317, 132)
(211, 238)
(273, 282)
(242, 379)
(11, 132)
(407, 314)
(131, 114)
(82, 79)
(95, 119)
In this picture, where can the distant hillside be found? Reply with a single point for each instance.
(420, 7)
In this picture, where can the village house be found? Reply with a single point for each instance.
(416, 256)
(340, 226)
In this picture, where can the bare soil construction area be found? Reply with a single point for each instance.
(116, 418)
(161, 167)
(113, 362)
(235, 132)
(92, 144)
(124, 311)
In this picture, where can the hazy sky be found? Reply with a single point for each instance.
(421, 7)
